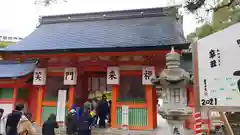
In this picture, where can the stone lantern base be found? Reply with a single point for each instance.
(176, 127)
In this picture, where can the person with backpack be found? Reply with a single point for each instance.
(25, 126)
(71, 121)
(13, 120)
(85, 122)
(49, 125)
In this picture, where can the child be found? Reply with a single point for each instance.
(50, 125)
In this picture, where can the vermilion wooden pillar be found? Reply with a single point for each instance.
(115, 95)
(32, 102)
(14, 98)
(150, 107)
(40, 91)
(154, 108)
(71, 96)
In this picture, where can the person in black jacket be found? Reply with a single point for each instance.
(103, 111)
(71, 121)
(49, 125)
(85, 122)
(13, 119)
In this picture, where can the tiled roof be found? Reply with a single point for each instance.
(113, 30)
(14, 69)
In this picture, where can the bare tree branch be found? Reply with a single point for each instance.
(48, 2)
(223, 5)
(193, 5)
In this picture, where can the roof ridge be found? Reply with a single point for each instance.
(110, 15)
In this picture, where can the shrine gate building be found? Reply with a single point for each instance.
(116, 51)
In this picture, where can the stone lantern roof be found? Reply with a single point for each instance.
(173, 74)
(172, 59)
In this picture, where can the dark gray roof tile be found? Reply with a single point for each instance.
(14, 69)
(136, 32)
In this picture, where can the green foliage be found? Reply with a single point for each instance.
(191, 36)
(204, 30)
(4, 44)
(222, 19)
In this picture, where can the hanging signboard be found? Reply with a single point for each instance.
(39, 76)
(219, 68)
(125, 117)
(61, 105)
(113, 75)
(70, 76)
(147, 74)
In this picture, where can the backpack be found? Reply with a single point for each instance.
(25, 127)
(84, 123)
(71, 117)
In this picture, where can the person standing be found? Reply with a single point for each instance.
(49, 125)
(109, 112)
(2, 122)
(103, 109)
(25, 126)
(13, 120)
(71, 121)
(85, 122)
(95, 110)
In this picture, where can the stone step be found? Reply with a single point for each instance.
(108, 131)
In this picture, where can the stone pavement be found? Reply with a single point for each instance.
(159, 131)
(163, 129)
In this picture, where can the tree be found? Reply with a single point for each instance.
(48, 2)
(191, 36)
(5, 43)
(222, 18)
(200, 32)
(191, 5)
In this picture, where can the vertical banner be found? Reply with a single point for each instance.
(61, 105)
(70, 76)
(113, 75)
(125, 117)
(147, 74)
(39, 76)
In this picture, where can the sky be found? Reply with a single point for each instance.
(20, 17)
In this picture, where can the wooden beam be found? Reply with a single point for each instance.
(22, 80)
(13, 56)
(43, 62)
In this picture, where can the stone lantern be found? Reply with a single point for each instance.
(173, 81)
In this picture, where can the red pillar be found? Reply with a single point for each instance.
(14, 99)
(32, 102)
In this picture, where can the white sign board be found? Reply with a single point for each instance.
(70, 76)
(125, 117)
(61, 105)
(219, 68)
(113, 75)
(147, 74)
(39, 76)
